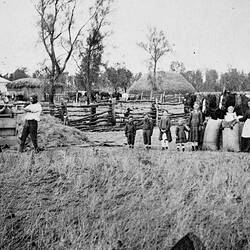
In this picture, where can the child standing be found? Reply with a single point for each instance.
(230, 134)
(130, 132)
(165, 133)
(230, 118)
(181, 137)
(147, 127)
(195, 125)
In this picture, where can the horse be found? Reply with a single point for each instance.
(117, 95)
(125, 96)
(188, 101)
(104, 95)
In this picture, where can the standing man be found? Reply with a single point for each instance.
(32, 118)
(130, 131)
(147, 131)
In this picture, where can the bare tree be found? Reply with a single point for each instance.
(90, 52)
(58, 35)
(156, 46)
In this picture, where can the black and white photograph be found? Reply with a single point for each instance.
(125, 124)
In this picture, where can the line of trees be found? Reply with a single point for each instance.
(233, 80)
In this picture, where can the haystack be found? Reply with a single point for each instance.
(52, 133)
(28, 86)
(166, 82)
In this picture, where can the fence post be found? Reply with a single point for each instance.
(77, 97)
(157, 111)
(93, 116)
(111, 112)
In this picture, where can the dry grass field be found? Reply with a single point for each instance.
(117, 198)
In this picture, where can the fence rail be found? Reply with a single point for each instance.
(110, 116)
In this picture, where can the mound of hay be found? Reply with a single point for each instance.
(168, 82)
(52, 133)
(25, 82)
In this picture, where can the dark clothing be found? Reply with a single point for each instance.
(148, 125)
(164, 126)
(215, 113)
(127, 113)
(245, 144)
(153, 114)
(131, 139)
(147, 137)
(130, 128)
(246, 116)
(130, 132)
(195, 124)
(181, 134)
(30, 128)
(245, 141)
(5, 110)
(63, 111)
(147, 131)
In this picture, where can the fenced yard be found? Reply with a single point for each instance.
(110, 116)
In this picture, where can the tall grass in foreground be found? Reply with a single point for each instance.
(122, 199)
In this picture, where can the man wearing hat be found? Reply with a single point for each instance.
(33, 112)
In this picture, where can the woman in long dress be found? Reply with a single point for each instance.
(195, 125)
(245, 136)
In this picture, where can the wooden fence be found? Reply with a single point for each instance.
(110, 116)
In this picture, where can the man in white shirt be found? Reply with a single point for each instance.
(32, 118)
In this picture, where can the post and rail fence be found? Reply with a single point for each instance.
(109, 116)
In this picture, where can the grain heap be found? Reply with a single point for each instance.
(51, 133)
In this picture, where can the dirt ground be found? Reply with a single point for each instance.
(118, 138)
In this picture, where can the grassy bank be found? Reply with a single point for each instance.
(99, 199)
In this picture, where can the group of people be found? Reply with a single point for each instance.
(164, 132)
(190, 130)
(194, 127)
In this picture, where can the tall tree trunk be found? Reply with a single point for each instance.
(154, 76)
(89, 96)
(52, 91)
(88, 85)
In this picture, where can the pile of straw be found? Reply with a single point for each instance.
(52, 133)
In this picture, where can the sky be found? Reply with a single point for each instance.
(205, 34)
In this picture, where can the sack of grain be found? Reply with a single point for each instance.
(211, 135)
(230, 139)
